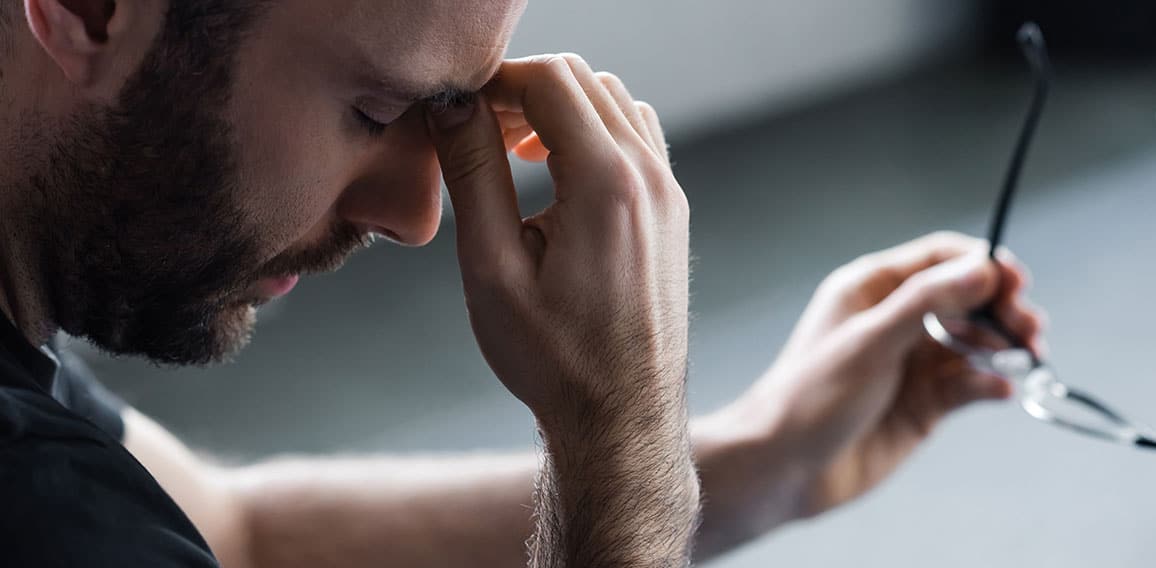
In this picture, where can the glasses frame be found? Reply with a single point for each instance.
(1039, 388)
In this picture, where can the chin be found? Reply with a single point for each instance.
(233, 330)
(201, 341)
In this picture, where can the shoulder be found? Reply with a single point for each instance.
(28, 413)
(74, 497)
(78, 389)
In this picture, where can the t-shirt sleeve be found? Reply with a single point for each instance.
(78, 389)
(70, 496)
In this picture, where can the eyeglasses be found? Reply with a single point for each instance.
(988, 345)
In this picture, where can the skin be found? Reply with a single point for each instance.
(620, 482)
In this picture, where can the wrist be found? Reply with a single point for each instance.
(621, 439)
(627, 479)
(617, 408)
(617, 438)
(751, 484)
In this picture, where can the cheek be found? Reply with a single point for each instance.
(286, 164)
(289, 151)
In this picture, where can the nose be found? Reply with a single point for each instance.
(398, 191)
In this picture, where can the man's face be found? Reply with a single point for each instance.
(201, 195)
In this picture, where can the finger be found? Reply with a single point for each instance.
(473, 160)
(909, 258)
(1016, 269)
(1025, 321)
(976, 387)
(552, 100)
(880, 273)
(944, 383)
(515, 136)
(515, 129)
(1020, 317)
(957, 384)
(621, 96)
(510, 119)
(658, 138)
(871, 278)
(1013, 281)
(531, 149)
(608, 109)
(953, 287)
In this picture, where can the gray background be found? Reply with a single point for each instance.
(804, 134)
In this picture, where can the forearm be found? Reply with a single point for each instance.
(617, 489)
(473, 511)
(437, 512)
(451, 511)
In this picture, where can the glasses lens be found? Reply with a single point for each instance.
(1042, 396)
(991, 350)
(976, 334)
(987, 349)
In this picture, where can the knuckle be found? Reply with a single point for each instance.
(557, 68)
(857, 270)
(836, 281)
(646, 109)
(917, 291)
(574, 61)
(655, 169)
(611, 80)
(845, 284)
(672, 199)
(630, 184)
(951, 240)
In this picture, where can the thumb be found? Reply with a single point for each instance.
(954, 287)
(472, 154)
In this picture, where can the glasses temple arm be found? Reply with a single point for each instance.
(1031, 41)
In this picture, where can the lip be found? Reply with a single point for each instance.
(277, 287)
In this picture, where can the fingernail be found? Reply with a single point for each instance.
(450, 116)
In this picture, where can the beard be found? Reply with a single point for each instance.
(144, 247)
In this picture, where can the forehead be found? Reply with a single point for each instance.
(407, 45)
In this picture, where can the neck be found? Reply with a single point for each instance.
(30, 92)
(23, 298)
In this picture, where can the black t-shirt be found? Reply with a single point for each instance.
(71, 496)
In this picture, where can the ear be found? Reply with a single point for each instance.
(83, 37)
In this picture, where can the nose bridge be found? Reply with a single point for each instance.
(397, 190)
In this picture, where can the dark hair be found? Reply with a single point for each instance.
(5, 39)
(198, 20)
(141, 240)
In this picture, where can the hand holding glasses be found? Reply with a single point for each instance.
(991, 348)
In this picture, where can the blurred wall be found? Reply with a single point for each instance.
(706, 64)
(1115, 28)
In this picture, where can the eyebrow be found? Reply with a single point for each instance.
(439, 97)
(448, 97)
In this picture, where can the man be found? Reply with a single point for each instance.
(169, 166)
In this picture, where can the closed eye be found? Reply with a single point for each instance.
(371, 125)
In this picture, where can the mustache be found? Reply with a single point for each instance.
(344, 240)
